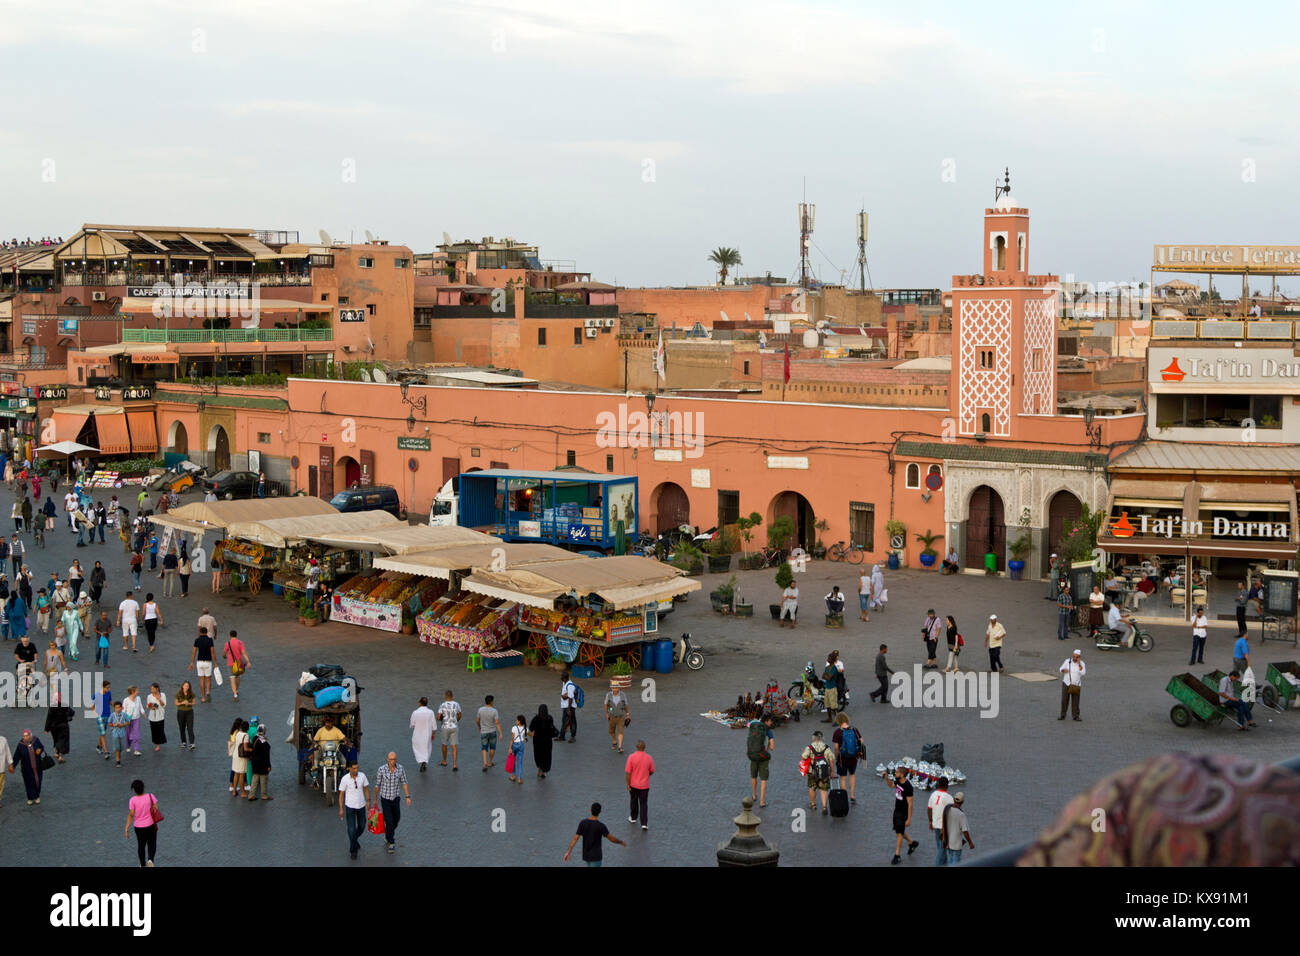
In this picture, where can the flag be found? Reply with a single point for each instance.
(660, 356)
(787, 364)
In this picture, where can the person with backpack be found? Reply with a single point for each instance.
(847, 741)
(955, 644)
(759, 744)
(570, 701)
(820, 770)
(831, 677)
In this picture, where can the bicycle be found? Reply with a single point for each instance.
(853, 554)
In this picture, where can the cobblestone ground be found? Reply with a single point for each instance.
(1022, 765)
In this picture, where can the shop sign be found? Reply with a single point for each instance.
(1176, 526)
(352, 315)
(579, 532)
(67, 326)
(53, 391)
(103, 393)
(699, 478)
(413, 444)
(1223, 369)
(16, 404)
(787, 461)
(1209, 258)
(530, 529)
(384, 617)
(137, 393)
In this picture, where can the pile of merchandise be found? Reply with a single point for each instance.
(378, 600)
(924, 774)
(469, 622)
(584, 624)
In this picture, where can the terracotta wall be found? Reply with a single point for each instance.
(685, 307)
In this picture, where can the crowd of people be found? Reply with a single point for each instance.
(30, 243)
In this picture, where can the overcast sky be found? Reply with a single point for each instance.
(635, 137)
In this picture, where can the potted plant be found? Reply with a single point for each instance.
(408, 622)
(530, 657)
(745, 527)
(307, 615)
(1020, 547)
(928, 554)
(819, 549)
(897, 532)
(620, 673)
(722, 596)
(719, 553)
(689, 558)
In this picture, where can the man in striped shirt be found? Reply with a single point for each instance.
(390, 781)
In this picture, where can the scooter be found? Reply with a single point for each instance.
(1107, 639)
(809, 681)
(689, 653)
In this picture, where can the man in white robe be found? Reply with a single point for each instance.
(422, 729)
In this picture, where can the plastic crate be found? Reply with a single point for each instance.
(510, 660)
(584, 671)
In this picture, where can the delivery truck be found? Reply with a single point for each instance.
(574, 509)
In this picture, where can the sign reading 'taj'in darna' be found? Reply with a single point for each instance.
(1179, 527)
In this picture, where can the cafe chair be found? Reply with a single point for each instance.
(1178, 596)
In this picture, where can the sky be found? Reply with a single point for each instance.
(633, 138)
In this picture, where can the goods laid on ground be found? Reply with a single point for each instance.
(378, 599)
(925, 774)
(469, 622)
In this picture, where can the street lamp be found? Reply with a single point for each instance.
(1092, 430)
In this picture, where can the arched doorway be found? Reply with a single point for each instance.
(1063, 510)
(178, 439)
(986, 528)
(219, 448)
(351, 469)
(672, 507)
(795, 506)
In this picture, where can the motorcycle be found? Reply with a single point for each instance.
(1106, 639)
(689, 653)
(809, 690)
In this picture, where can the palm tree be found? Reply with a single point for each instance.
(725, 258)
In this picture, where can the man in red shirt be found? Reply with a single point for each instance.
(640, 765)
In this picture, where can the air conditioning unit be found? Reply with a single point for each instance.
(97, 297)
(609, 323)
(591, 323)
(591, 333)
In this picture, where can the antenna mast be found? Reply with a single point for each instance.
(807, 215)
(862, 250)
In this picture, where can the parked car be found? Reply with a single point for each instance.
(238, 484)
(370, 498)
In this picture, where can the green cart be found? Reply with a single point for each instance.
(1196, 702)
(1277, 690)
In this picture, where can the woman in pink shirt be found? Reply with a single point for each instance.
(142, 813)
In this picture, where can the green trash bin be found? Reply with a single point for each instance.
(990, 563)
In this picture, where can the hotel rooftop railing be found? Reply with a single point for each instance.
(1264, 329)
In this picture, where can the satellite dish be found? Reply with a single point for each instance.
(370, 236)
(810, 339)
(379, 376)
(365, 375)
(325, 238)
(747, 318)
(724, 316)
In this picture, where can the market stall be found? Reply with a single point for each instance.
(462, 620)
(583, 609)
(382, 599)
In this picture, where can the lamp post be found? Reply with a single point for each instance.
(1092, 427)
(417, 405)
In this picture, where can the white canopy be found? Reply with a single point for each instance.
(624, 581)
(441, 562)
(406, 540)
(280, 532)
(66, 448)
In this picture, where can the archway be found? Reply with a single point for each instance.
(986, 528)
(219, 448)
(178, 439)
(795, 506)
(672, 507)
(1063, 510)
(351, 471)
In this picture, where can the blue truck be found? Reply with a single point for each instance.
(573, 509)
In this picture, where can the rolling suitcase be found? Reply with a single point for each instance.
(839, 801)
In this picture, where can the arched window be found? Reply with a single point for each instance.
(985, 423)
(913, 475)
(1000, 253)
(1020, 243)
(934, 470)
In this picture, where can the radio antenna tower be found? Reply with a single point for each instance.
(862, 250)
(807, 216)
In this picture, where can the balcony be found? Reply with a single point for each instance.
(199, 336)
(24, 361)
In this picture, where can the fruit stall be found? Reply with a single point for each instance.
(378, 599)
(586, 610)
(469, 622)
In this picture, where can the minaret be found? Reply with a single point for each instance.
(1003, 330)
